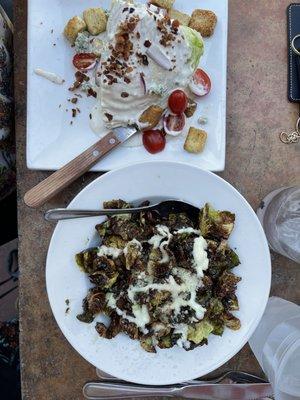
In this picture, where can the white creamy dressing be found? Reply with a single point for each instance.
(187, 230)
(161, 240)
(128, 110)
(109, 251)
(200, 255)
(51, 76)
(182, 294)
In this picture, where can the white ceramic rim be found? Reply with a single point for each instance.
(260, 232)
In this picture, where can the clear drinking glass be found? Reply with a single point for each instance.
(279, 214)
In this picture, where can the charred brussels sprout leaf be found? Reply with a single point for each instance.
(231, 321)
(218, 325)
(227, 284)
(215, 224)
(215, 307)
(165, 342)
(115, 204)
(232, 303)
(114, 241)
(105, 275)
(147, 344)
(86, 317)
(85, 259)
(200, 331)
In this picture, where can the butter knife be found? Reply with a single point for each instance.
(60, 179)
(109, 390)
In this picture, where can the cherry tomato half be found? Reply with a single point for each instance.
(201, 83)
(174, 124)
(178, 101)
(154, 141)
(84, 61)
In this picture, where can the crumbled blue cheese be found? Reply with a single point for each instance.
(82, 42)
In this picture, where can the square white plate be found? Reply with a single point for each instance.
(52, 141)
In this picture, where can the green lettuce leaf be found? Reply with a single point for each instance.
(195, 43)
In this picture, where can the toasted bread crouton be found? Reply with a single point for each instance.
(151, 116)
(73, 27)
(195, 140)
(95, 19)
(167, 4)
(183, 18)
(203, 21)
(191, 108)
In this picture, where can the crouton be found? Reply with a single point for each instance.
(184, 19)
(167, 4)
(195, 140)
(73, 27)
(203, 21)
(191, 108)
(95, 19)
(151, 116)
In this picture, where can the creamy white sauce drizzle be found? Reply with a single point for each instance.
(200, 255)
(182, 294)
(187, 230)
(161, 240)
(51, 76)
(109, 251)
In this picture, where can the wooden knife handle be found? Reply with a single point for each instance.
(60, 179)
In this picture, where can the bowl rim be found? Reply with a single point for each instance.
(268, 265)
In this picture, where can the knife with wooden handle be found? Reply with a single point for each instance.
(60, 179)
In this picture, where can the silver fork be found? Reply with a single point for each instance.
(164, 208)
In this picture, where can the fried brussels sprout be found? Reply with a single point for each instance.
(231, 321)
(215, 306)
(132, 253)
(114, 241)
(86, 260)
(227, 284)
(218, 325)
(179, 221)
(215, 224)
(232, 303)
(87, 316)
(165, 342)
(200, 331)
(106, 274)
(147, 344)
(115, 204)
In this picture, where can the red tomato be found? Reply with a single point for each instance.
(178, 101)
(201, 83)
(154, 141)
(174, 124)
(84, 61)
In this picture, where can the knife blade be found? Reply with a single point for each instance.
(109, 390)
(60, 179)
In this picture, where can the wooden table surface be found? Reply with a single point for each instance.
(257, 162)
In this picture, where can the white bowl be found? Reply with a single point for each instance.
(121, 356)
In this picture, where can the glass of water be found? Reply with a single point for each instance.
(279, 214)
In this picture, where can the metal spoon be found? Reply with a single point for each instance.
(164, 208)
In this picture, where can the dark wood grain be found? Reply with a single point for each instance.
(257, 162)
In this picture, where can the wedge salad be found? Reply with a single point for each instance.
(140, 62)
